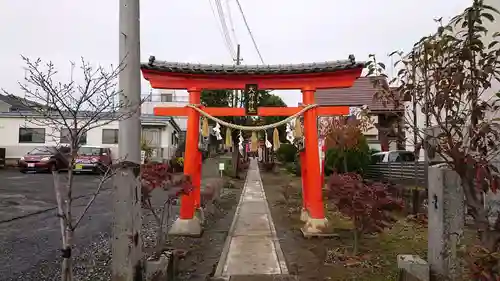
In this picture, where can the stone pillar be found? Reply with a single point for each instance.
(446, 210)
(188, 224)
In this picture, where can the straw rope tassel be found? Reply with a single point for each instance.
(276, 139)
(228, 143)
(204, 127)
(254, 143)
(297, 131)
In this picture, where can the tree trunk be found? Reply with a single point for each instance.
(489, 236)
(67, 263)
(235, 159)
(344, 160)
(66, 232)
(355, 246)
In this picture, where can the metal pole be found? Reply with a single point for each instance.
(126, 241)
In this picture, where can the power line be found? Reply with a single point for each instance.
(229, 47)
(224, 27)
(250, 31)
(231, 24)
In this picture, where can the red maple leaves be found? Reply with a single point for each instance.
(157, 175)
(369, 204)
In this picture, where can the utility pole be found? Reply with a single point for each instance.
(237, 101)
(238, 62)
(126, 241)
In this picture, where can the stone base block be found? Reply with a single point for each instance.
(304, 215)
(186, 227)
(317, 228)
(413, 268)
(162, 268)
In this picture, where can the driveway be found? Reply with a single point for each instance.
(29, 229)
(22, 195)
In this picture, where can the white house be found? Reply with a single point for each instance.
(21, 136)
(168, 98)
(492, 27)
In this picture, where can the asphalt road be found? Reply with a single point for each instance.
(30, 238)
(29, 229)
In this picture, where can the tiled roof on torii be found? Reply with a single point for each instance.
(214, 69)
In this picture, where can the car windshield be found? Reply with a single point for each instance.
(89, 151)
(401, 156)
(42, 151)
(377, 158)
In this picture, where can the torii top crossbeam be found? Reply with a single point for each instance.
(310, 76)
(325, 75)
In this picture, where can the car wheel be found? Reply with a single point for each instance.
(22, 171)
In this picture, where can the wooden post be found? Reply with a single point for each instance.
(197, 181)
(317, 221)
(304, 214)
(188, 224)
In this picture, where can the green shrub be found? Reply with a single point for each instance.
(356, 159)
(228, 168)
(286, 153)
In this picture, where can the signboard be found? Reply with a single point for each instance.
(221, 168)
(251, 99)
(143, 156)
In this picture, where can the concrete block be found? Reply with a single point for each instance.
(413, 268)
(186, 227)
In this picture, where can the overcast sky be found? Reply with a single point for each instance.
(286, 31)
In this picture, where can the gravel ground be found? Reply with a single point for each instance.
(92, 262)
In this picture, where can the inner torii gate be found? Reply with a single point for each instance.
(307, 77)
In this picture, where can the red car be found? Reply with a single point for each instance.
(92, 159)
(38, 160)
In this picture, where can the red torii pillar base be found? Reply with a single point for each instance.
(188, 224)
(304, 213)
(316, 224)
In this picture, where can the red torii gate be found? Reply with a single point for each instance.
(307, 77)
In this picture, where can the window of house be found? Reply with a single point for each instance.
(31, 135)
(166, 97)
(175, 138)
(109, 136)
(65, 137)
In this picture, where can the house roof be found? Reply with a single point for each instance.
(188, 68)
(103, 116)
(361, 93)
(18, 103)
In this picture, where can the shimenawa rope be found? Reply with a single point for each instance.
(252, 128)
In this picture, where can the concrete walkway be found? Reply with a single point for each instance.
(252, 247)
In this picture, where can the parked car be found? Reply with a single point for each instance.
(393, 156)
(38, 160)
(92, 159)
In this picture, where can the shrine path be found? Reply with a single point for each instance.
(252, 248)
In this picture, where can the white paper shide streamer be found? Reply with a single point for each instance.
(216, 130)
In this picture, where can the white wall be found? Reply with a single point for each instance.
(9, 130)
(148, 107)
(492, 28)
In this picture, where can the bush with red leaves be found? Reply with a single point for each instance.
(157, 175)
(368, 204)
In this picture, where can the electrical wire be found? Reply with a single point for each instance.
(222, 18)
(229, 46)
(250, 31)
(231, 24)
